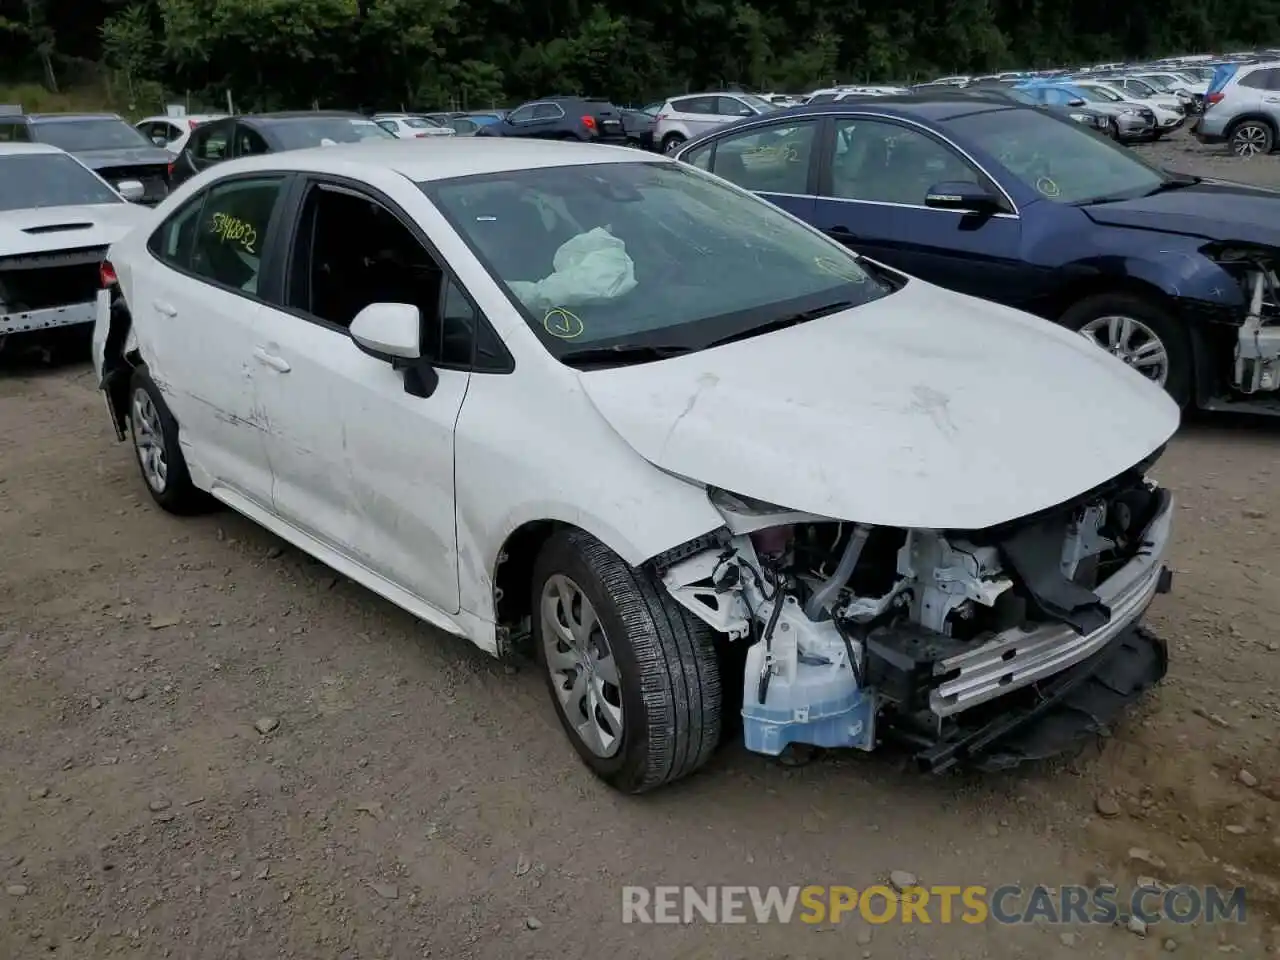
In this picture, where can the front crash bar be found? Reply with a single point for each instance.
(1018, 657)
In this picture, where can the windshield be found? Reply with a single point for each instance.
(760, 103)
(1159, 83)
(1016, 95)
(1060, 160)
(1100, 95)
(103, 133)
(49, 180)
(302, 132)
(1145, 89)
(648, 253)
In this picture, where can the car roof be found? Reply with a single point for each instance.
(61, 117)
(455, 157)
(918, 107)
(155, 118)
(23, 149)
(302, 115)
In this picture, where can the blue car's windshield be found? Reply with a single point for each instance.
(1060, 160)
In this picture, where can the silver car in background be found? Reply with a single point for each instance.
(1245, 113)
(689, 117)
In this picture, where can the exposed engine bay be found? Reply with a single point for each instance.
(934, 637)
(1256, 367)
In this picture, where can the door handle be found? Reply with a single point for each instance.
(279, 364)
(842, 234)
(163, 308)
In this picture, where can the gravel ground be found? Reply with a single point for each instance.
(218, 749)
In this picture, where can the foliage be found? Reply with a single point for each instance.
(477, 53)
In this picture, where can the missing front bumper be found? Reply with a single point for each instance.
(1075, 706)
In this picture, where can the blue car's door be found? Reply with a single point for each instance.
(778, 161)
(874, 177)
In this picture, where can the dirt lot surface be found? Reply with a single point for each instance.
(411, 798)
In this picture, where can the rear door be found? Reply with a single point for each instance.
(198, 302)
(874, 179)
(776, 160)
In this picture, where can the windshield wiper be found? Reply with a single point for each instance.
(1174, 183)
(623, 353)
(791, 320)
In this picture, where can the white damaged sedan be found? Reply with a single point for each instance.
(694, 454)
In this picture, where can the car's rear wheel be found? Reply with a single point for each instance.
(1142, 333)
(671, 143)
(154, 433)
(633, 675)
(1251, 138)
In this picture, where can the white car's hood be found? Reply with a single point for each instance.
(922, 409)
(43, 229)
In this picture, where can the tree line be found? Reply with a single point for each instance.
(274, 54)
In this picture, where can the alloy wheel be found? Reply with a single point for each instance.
(148, 441)
(583, 671)
(1249, 140)
(1132, 341)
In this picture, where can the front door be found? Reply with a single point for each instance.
(876, 177)
(774, 160)
(202, 290)
(359, 463)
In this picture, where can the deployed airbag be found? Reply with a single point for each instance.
(588, 268)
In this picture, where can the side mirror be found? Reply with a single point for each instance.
(388, 331)
(159, 141)
(131, 190)
(392, 332)
(1077, 102)
(963, 195)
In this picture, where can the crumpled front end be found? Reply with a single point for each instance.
(1256, 351)
(984, 647)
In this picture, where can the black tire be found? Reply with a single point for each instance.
(672, 142)
(177, 494)
(668, 673)
(1251, 137)
(1153, 315)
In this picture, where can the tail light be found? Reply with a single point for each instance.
(1212, 98)
(168, 171)
(107, 275)
(661, 116)
(589, 122)
(192, 124)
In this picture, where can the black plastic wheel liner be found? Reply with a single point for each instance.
(1078, 704)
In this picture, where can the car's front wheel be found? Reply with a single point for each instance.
(633, 676)
(1252, 138)
(154, 433)
(1142, 333)
(671, 143)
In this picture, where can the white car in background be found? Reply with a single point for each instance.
(172, 133)
(406, 126)
(57, 218)
(676, 441)
(1170, 113)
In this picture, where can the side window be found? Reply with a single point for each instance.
(1258, 79)
(773, 159)
(174, 240)
(733, 107)
(210, 145)
(521, 114)
(249, 142)
(464, 127)
(547, 111)
(233, 227)
(886, 163)
(388, 126)
(14, 132)
(352, 251)
(700, 158)
(1059, 97)
(705, 105)
(822, 98)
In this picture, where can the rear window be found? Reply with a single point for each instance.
(49, 180)
(303, 132)
(90, 134)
